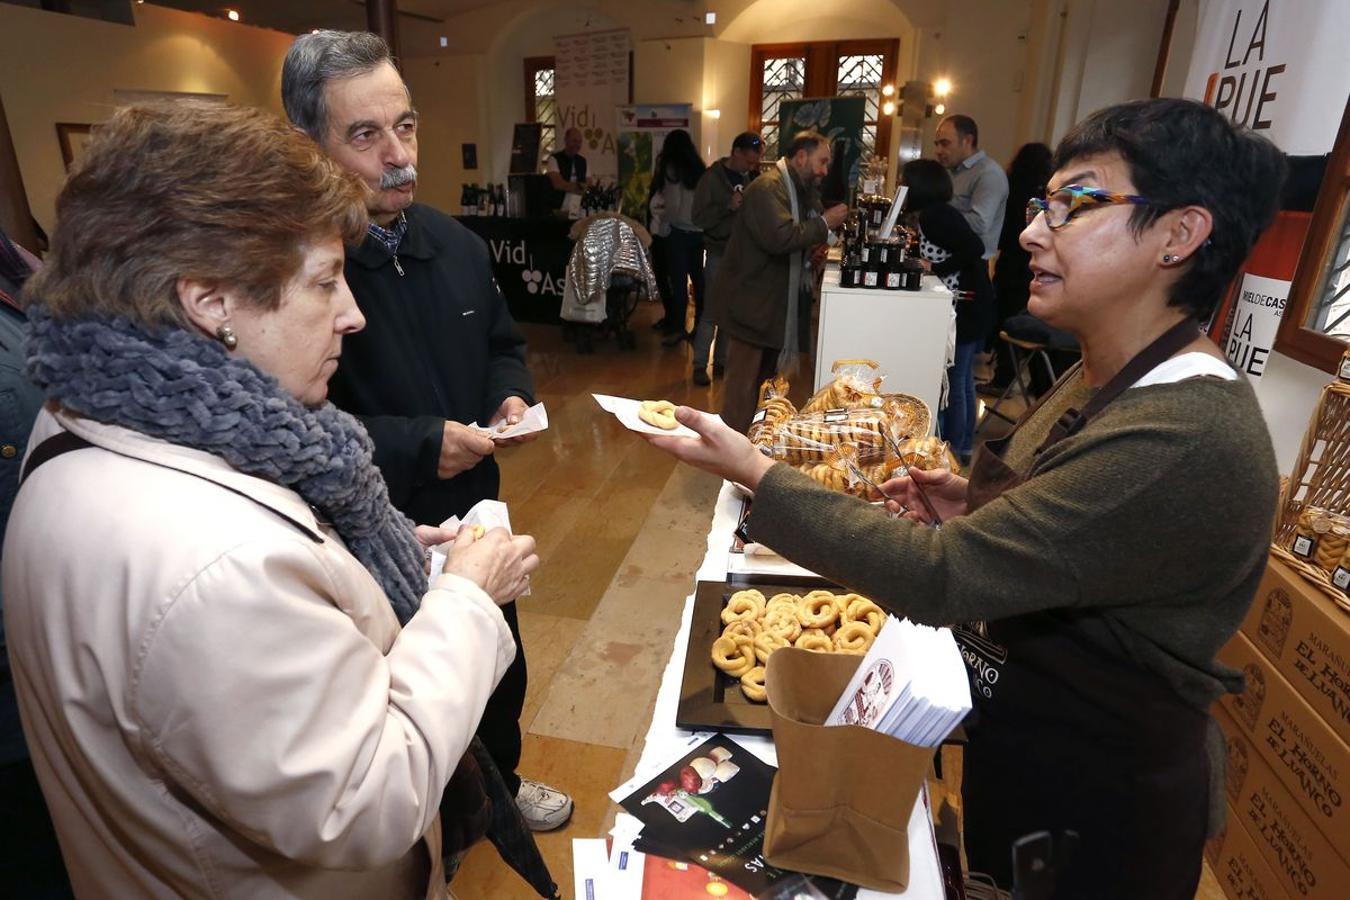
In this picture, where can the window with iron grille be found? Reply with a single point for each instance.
(783, 79)
(781, 72)
(541, 99)
(861, 76)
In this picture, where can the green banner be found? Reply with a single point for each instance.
(841, 120)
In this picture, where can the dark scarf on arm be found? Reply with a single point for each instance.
(180, 387)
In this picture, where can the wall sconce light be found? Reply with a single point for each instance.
(942, 87)
(710, 18)
(888, 108)
(940, 109)
(232, 15)
(713, 113)
(887, 90)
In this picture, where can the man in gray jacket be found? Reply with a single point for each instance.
(716, 201)
(762, 298)
(979, 185)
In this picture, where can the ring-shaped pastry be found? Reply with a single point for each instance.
(817, 610)
(853, 637)
(815, 640)
(743, 628)
(733, 656)
(743, 605)
(788, 600)
(863, 610)
(752, 685)
(782, 622)
(660, 413)
(766, 644)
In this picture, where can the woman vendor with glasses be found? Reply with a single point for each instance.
(1099, 556)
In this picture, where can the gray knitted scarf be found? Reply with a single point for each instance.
(182, 388)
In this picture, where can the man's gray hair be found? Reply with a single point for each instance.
(317, 58)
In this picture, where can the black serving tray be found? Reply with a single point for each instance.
(711, 700)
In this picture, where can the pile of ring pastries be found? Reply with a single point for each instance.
(821, 621)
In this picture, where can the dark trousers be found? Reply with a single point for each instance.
(499, 729)
(30, 858)
(748, 367)
(661, 269)
(684, 258)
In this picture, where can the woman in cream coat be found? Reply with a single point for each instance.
(204, 582)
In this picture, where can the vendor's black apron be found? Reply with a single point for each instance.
(1070, 734)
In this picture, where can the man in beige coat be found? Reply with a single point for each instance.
(762, 298)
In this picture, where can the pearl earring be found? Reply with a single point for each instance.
(227, 337)
(1168, 259)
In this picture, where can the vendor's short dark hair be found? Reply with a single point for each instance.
(928, 182)
(804, 140)
(1184, 153)
(965, 128)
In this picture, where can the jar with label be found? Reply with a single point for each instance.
(1340, 576)
(872, 273)
(1332, 544)
(1305, 536)
(911, 275)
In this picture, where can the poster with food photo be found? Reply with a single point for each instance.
(710, 807)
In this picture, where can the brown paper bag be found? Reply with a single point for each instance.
(843, 795)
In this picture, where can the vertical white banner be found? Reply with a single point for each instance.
(591, 81)
(1277, 66)
(1260, 306)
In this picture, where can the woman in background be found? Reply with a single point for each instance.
(952, 250)
(1027, 175)
(678, 170)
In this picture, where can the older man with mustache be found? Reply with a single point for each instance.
(439, 352)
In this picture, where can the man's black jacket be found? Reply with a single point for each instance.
(438, 344)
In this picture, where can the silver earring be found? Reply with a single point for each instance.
(1168, 259)
(226, 335)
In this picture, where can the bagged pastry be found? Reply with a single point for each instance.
(810, 438)
(925, 453)
(773, 409)
(856, 385)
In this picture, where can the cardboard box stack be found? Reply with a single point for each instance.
(1288, 736)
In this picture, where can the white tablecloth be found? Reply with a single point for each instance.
(665, 742)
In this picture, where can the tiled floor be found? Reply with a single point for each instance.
(621, 531)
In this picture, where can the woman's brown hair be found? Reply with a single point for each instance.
(225, 195)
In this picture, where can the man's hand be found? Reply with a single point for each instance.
(510, 413)
(835, 215)
(737, 198)
(461, 449)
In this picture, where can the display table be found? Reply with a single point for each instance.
(907, 332)
(664, 742)
(529, 260)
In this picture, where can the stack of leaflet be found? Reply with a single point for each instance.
(911, 685)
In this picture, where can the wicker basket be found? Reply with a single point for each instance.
(1321, 478)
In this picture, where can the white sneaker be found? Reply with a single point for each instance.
(543, 807)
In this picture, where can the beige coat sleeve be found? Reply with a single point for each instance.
(259, 696)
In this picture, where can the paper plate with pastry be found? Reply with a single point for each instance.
(651, 416)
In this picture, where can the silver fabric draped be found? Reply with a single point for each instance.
(606, 245)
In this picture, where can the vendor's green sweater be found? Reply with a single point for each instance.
(1157, 515)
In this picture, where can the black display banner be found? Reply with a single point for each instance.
(529, 260)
